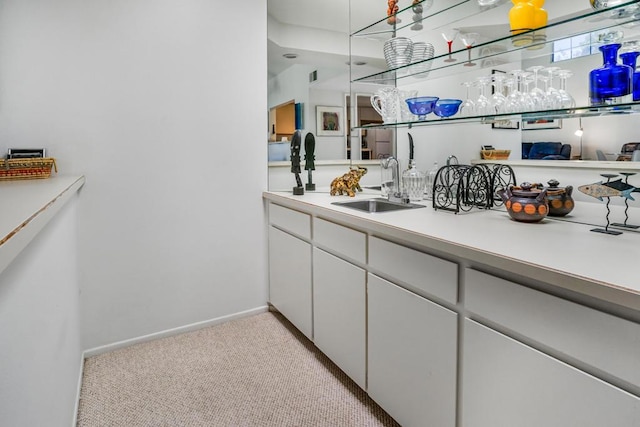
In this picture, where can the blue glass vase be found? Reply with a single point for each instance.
(610, 84)
(629, 58)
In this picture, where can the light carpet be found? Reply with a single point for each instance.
(255, 371)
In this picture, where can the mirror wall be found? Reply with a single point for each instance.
(316, 33)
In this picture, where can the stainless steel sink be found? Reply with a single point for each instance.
(377, 205)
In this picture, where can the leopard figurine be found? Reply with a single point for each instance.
(348, 183)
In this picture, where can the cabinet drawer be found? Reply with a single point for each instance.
(506, 383)
(292, 221)
(420, 271)
(342, 240)
(599, 339)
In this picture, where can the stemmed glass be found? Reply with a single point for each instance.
(468, 107)
(554, 98)
(483, 106)
(498, 100)
(513, 104)
(527, 102)
(536, 93)
(449, 37)
(469, 39)
(566, 100)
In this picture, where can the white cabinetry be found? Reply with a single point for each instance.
(290, 267)
(600, 340)
(339, 313)
(412, 356)
(420, 272)
(339, 296)
(506, 383)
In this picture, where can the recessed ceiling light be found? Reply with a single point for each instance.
(359, 63)
(290, 55)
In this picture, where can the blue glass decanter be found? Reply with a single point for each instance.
(610, 84)
(629, 58)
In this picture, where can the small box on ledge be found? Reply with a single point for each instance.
(495, 154)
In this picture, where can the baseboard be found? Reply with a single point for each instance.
(78, 389)
(171, 332)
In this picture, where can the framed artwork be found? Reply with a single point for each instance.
(536, 124)
(329, 121)
(505, 124)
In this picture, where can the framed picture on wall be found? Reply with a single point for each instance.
(329, 121)
(505, 124)
(536, 124)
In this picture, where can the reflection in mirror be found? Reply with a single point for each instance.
(308, 65)
(308, 60)
(309, 52)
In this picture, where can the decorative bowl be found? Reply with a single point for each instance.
(422, 105)
(446, 107)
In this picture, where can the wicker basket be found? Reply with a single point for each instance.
(495, 154)
(32, 168)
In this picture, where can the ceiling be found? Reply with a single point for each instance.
(327, 15)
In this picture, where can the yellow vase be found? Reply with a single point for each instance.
(540, 15)
(521, 16)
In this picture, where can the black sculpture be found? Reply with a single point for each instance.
(309, 159)
(296, 141)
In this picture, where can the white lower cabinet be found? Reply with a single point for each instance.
(507, 383)
(412, 354)
(290, 278)
(339, 313)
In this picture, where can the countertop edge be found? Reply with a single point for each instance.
(588, 286)
(13, 242)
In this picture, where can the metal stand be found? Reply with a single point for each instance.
(606, 230)
(464, 187)
(626, 207)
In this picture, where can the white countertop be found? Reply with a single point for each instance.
(562, 253)
(27, 206)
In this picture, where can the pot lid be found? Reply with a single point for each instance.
(526, 189)
(554, 188)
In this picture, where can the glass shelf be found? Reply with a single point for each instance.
(432, 9)
(587, 111)
(502, 49)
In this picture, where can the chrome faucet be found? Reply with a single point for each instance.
(395, 193)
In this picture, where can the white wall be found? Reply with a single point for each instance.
(162, 107)
(40, 353)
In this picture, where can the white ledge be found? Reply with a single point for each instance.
(564, 164)
(27, 206)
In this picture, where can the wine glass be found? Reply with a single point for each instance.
(483, 106)
(514, 104)
(468, 107)
(469, 39)
(536, 93)
(449, 37)
(554, 98)
(498, 100)
(567, 100)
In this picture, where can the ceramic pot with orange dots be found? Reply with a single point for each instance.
(559, 198)
(525, 203)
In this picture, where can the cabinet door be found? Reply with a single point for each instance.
(339, 318)
(506, 383)
(412, 356)
(290, 278)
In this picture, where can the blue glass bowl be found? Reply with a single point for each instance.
(446, 107)
(422, 105)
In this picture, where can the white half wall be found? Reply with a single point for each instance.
(41, 354)
(162, 106)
